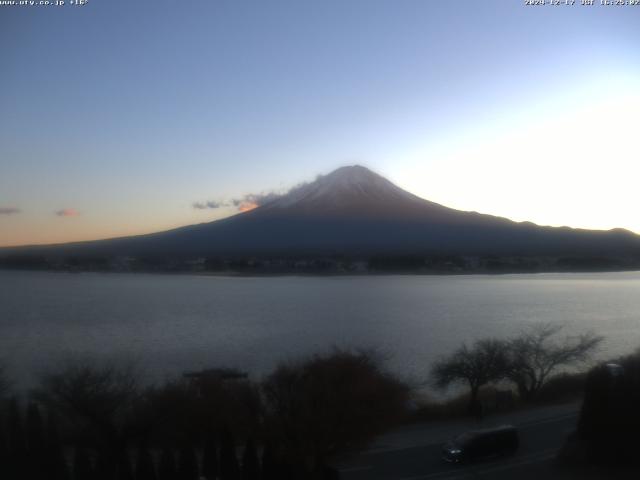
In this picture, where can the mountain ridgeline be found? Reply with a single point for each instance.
(356, 213)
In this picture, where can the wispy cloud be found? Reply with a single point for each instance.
(9, 210)
(260, 198)
(244, 203)
(209, 204)
(67, 212)
(254, 200)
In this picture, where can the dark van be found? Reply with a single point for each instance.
(480, 444)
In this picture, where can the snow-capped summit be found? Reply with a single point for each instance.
(351, 190)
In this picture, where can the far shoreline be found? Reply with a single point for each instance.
(241, 274)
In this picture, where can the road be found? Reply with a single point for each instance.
(413, 453)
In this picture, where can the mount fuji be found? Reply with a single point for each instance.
(354, 211)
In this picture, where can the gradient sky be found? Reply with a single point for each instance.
(115, 117)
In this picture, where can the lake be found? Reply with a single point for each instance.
(173, 323)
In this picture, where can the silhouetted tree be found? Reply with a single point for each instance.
(172, 409)
(285, 468)
(187, 463)
(330, 404)
(125, 472)
(167, 465)
(18, 454)
(609, 420)
(250, 462)
(36, 443)
(100, 395)
(210, 457)
(327, 472)
(485, 361)
(145, 468)
(82, 466)
(5, 384)
(56, 461)
(274, 464)
(268, 464)
(229, 468)
(97, 400)
(4, 450)
(107, 465)
(535, 355)
(203, 400)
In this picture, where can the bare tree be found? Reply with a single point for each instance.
(97, 400)
(99, 393)
(484, 362)
(535, 354)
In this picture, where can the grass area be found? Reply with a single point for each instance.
(562, 388)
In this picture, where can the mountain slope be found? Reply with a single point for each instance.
(355, 211)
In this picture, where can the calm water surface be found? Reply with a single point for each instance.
(172, 323)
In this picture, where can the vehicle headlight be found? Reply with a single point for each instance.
(455, 451)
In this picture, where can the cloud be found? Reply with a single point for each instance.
(246, 202)
(254, 200)
(209, 204)
(242, 204)
(246, 206)
(260, 198)
(9, 210)
(67, 212)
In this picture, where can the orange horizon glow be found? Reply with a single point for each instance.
(50, 233)
(247, 206)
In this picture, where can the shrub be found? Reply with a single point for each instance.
(330, 404)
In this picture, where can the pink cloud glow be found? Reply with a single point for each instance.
(67, 212)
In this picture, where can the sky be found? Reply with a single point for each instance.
(124, 117)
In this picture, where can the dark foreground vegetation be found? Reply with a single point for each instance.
(526, 362)
(100, 422)
(609, 422)
(90, 421)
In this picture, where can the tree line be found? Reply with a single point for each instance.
(90, 421)
(101, 421)
(527, 360)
